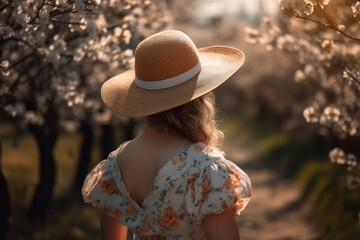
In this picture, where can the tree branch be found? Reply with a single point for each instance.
(21, 60)
(5, 6)
(37, 12)
(25, 42)
(63, 22)
(17, 80)
(330, 26)
(354, 78)
(336, 28)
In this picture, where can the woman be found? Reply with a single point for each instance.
(171, 181)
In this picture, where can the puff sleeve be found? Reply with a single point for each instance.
(101, 191)
(219, 187)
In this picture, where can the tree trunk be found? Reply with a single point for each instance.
(4, 203)
(84, 157)
(130, 129)
(107, 140)
(46, 137)
(107, 145)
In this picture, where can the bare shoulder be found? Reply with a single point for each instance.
(124, 149)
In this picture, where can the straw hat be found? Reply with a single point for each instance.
(169, 71)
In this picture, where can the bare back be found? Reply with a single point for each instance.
(141, 159)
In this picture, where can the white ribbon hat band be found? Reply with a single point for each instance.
(169, 82)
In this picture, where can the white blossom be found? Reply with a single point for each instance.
(80, 5)
(6, 32)
(4, 90)
(352, 160)
(23, 19)
(353, 128)
(286, 41)
(123, 34)
(329, 51)
(337, 156)
(44, 18)
(4, 66)
(310, 115)
(251, 35)
(341, 27)
(299, 76)
(323, 3)
(309, 7)
(79, 54)
(353, 182)
(332, 114)
(327, 44)
(34, 118)
(15, 110)
(355, 8)
(96, 2)
(60, 2)
(78, 47)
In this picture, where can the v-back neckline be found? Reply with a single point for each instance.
(160, 173)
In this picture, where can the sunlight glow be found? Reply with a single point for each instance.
(245, 10)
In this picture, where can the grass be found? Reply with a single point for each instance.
(324, 185)
(251, 134)
(305, 160)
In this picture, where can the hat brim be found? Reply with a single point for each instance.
(123, 97)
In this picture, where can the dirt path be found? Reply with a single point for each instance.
(275, 211)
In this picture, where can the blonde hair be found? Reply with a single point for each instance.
(194, 120)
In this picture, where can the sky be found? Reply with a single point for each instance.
(248, 10)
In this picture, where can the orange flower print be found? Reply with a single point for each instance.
(233, 180)
(205, 188)
(181, 159)
(169, 219)
(225, 209)
(239, 203)
(109, 185)
(191, 184)
(131, 210)
(144, 230)
(110, 212)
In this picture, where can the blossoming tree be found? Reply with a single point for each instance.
(324, 36)
(54, 55)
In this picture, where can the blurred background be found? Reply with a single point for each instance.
(290, 115)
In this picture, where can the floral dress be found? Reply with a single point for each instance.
(196, 182)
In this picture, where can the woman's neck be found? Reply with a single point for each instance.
(152, 134)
